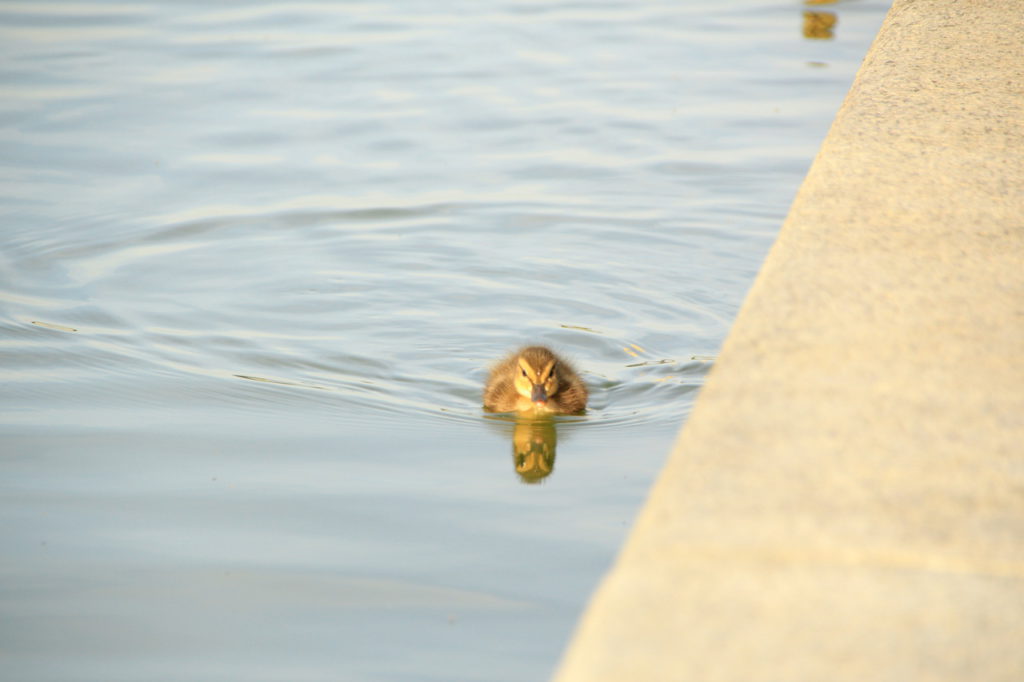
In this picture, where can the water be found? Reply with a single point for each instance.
(256, 259)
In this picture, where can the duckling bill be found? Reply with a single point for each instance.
(535, 379)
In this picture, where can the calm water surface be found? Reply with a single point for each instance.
(255, 260)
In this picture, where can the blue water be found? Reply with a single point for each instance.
(256, 259)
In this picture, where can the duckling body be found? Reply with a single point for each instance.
(535, 379)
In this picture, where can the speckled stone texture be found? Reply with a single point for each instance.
(846, 501)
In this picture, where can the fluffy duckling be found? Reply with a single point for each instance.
(534, 379)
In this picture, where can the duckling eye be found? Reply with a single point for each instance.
(522, 371)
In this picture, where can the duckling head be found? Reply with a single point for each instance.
(536, 376)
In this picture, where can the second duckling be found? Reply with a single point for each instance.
(535, 379)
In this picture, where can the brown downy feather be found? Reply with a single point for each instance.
(534, 365)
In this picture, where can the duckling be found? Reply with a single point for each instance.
(534, 379)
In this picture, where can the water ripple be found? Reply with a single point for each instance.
(404, 326)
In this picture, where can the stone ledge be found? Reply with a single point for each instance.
(846, 501)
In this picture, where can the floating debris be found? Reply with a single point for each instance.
(50, 325)
(280, 382)
(582, 329)
(652, 362)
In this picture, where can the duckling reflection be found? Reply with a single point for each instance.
(533, 448)
(819, 25)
